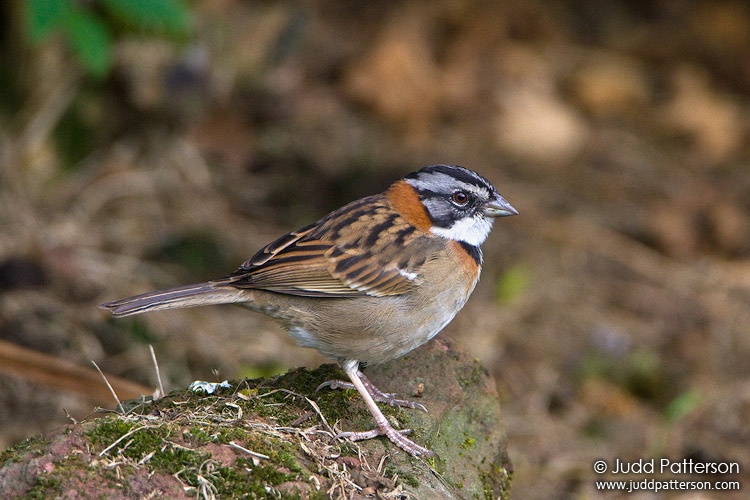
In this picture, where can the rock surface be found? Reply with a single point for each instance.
(274, 437)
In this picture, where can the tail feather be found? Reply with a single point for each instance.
(199, 294)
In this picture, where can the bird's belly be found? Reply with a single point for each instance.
(373, 329)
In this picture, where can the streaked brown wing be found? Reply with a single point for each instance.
(300, 268)
(370, 257)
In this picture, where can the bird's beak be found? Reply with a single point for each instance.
(498, 207)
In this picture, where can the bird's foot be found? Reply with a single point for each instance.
(378, 395)
(397, 437)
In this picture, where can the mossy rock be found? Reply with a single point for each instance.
(274, 438)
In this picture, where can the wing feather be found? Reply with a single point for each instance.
(368, 258)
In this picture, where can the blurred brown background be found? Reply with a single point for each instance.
(613, 311)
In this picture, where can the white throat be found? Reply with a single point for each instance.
(471, 230)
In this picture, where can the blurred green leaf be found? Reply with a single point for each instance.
(44, 16)
(90, 41)
(682, 405)
(513, 282)
(89, 33)
(167, 16)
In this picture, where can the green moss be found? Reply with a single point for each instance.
(195, 468)
(240, 479)
(15, 453)
(317, 495)
(305, 381)
(119, 477)
(236, 481)
(45, 487)
(469, 443)
(279, 452)
(173, 459)
(408, 479)
(109, 430)
(50, 485)
(199, 435)
(179, 441)
(497, 479)
(245, 478)
(286, 458)
(177, 435)
(475, 376)
(142, 441)
(269, 398)
(269, 474)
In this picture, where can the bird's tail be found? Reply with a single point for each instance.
(199, 294)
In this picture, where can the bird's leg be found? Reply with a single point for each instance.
(378, 395)
(351, 368)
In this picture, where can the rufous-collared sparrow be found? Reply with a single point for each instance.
(369, 282)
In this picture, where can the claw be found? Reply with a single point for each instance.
(378, 395)
(397, 437)
(335, 384)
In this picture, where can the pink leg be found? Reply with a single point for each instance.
(351, 368)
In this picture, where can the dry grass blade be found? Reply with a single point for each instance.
(158, 373)
(114, 394)
(253, 454)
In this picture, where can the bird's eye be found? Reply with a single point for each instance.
(460, 198)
